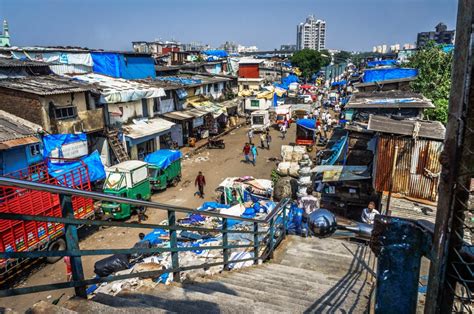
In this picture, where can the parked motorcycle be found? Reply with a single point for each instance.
(215, 143)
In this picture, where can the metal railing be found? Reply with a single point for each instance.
(267, 234)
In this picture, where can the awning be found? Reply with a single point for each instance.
(215, 109)
(143, 128)
(185, 114)
(18, 142)
(342, 173)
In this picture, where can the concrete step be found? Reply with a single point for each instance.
(43, 307)
(115, 306)
(305, 294)
(118, 302)
(247, 291)
(215, 302)
(323, 265)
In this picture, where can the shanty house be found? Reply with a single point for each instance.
(57, 104)
(130, 114)
(418, 145)
(249, 74)
(20, 145)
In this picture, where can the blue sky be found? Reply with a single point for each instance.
(113, 24)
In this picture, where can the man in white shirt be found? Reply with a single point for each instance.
(368, 214)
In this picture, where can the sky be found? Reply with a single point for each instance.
(354, 25)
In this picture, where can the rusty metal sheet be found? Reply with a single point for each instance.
(18, 142)
(417, 169)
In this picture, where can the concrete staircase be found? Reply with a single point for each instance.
(307, 275)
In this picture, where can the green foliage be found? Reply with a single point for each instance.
(326, 56)
(434, 79)
(342, 56)
(308, 61)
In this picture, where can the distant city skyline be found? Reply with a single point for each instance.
(114, 24)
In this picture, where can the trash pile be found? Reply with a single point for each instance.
(241, 197)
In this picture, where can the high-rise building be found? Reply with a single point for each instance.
(5, 36)
(441, 35)
(311, 34)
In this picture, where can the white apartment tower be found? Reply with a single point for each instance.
(311, 34)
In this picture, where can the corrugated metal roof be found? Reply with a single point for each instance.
(417, 169)
(9, 63)
(415, 128)
(15, 128)
(400, 80)
(46, 85)
(388, 99)
(185, 114)
(145, 128)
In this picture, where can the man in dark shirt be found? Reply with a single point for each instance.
(200, 182)
(246, 151)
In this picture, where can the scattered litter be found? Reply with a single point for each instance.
(49, 297)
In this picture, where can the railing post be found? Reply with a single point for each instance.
(72, 243)
(271, 241)
(174, 245)
(225, 243)
(255, 243)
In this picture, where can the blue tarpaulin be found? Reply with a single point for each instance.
(94, 166)
(336, 149)
(379, 75)
(180, 80)
(53, 141)
(216, 53)
(339, 83)
(373, 64)
(286, 81)
(121, 66)
(307, 123)
(163, 158)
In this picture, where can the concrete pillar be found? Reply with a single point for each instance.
(157, 141)
(134, 152)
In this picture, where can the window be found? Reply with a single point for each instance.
(168, 95)
(216, 87)
(35, 149)
(62, 113)
(246, 86)
(254, 103)
(208, 89)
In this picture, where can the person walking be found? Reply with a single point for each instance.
(250, 135)
(254, 154)
(67, 261)
(246, 151)
(200, 182)
(263, 139)
(269, 140)
(283, 131)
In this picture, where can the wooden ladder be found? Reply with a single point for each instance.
(117, 147)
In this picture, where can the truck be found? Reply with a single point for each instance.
(283, 112)
(21, 236)
(164, 168)
(260, 120)
(127, 179)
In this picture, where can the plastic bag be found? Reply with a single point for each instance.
(111, 264)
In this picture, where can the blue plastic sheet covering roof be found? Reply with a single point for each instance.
(286, 81)
(128, 67)
(379, 75)
(307, 123)
(179, 80)
(448, 48)
(373, 64)
(163, 158)
(336, 149)
(339, 83)
(182, 94)
(53, 141)
(216, 53)
(94, 166)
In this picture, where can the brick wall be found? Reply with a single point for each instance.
(23, 105)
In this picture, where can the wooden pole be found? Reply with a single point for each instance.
(392, 176)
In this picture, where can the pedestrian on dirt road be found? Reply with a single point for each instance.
(246, 151)
(254, 154)
(269, 140)
(200, 182)
(250, 135)
(263, 140)
(283, 131)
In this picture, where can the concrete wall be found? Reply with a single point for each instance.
(130, 110)
(25, 106)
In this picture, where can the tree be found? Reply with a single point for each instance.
(342, 56)
(434, 78)
(308, 61)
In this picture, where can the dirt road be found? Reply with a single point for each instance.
(215, 164)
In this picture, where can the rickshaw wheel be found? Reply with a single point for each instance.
(309, 149)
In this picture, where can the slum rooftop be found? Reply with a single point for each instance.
(70, 49)
(388, 99)
(419, 128)
(10, 62)
(397, 80)
(16, 131)
(45, 85)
